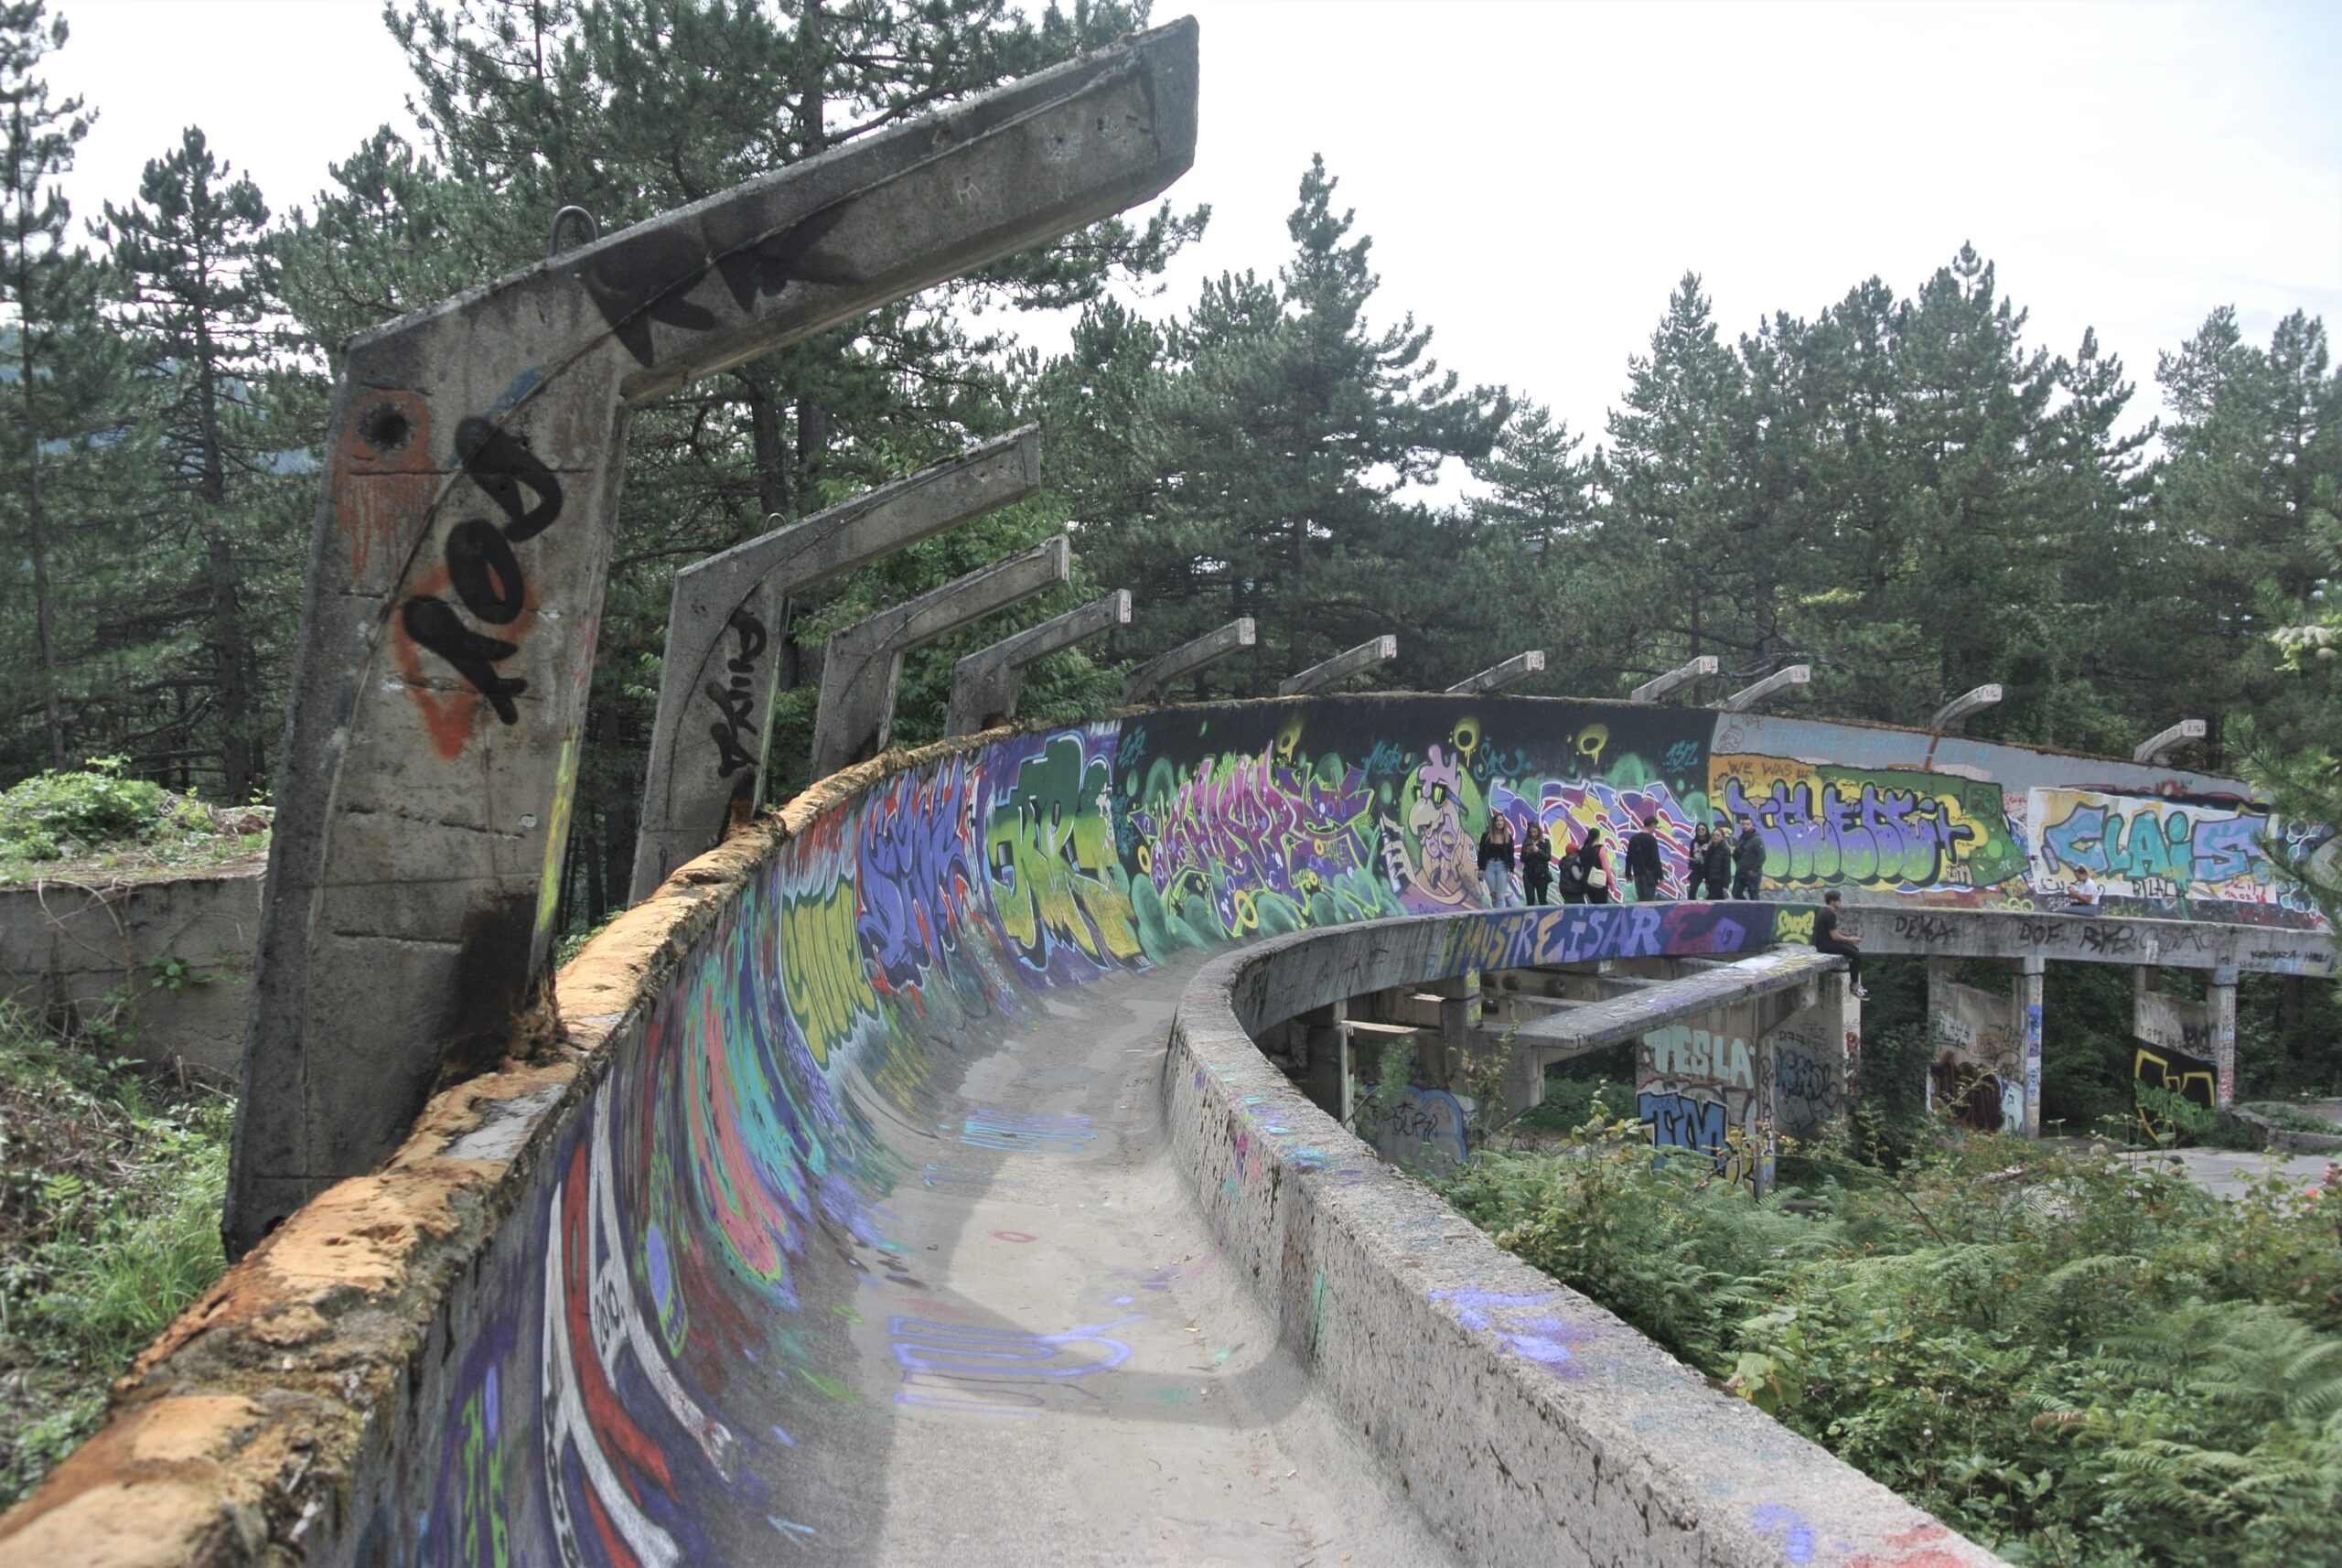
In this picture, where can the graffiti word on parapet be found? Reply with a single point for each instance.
(735, 697)
(1870, 834)
(1524, 1325)
(1587, 934)
(1026, 1132)
(982, 1371)
(2149, 847)
(477, 562)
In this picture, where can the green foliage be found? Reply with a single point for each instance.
(110, 1195)
(98, 823)
(2078, 1360)
(53, 815)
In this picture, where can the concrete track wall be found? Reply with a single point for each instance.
(600, 1309)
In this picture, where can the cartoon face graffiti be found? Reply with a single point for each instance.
(1432, 862)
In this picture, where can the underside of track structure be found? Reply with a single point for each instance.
(907, 1187)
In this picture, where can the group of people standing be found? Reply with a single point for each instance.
(1715, 858)
(1719, 865)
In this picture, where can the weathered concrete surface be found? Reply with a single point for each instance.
(862, 666)
(473, 462)
(1581, 1443)
(1150, 680)
(100, 951)
(2090, 938)
(1746, 699)
(985, 684)
(1340, 667)
(729, 614)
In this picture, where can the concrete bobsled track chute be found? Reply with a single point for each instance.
(878, 1208)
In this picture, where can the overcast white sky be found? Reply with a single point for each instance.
(1536, 177)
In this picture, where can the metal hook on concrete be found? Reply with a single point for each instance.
(552, 241)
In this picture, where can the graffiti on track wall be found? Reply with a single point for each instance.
(1887, 831)
(1976, 1043)
(2165, 851)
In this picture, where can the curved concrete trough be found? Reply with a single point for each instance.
(857, 1210)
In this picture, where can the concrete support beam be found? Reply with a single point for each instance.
(2219, 1014)
(863, 663)
(1747, 697)
(1495, 678)
(985, 683)
(1690, 675)
(1148, 683)
(2028, 1013)
(1341, 667)
(729, 614)
(1953, 716)
(2170, 740)
(472, 465)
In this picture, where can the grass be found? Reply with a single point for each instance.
(111, 1187)
(2077, 1358)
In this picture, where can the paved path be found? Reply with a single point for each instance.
(1078, 1380)
(2227, 1171)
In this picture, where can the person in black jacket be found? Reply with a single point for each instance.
(1719, 861)
(1495, 862)
(1695, 864)
(1747, 862)
(1537, 863)
(1594, 867)
(1642, 860)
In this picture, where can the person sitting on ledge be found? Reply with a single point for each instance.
(1828, 939)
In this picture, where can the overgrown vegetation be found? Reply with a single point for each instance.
(111, 1187)
(2080, 1359)
(96, 822)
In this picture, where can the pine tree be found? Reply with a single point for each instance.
(64, 376)
(1290, 429)
(189, 248)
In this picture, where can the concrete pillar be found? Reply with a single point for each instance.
(2028, 1011)
(1326, 1041)
(1690, 675)
(729, 614)
(985, 683)
(1519, 667)
(2219, 1008)
(863, 663)
(472, 464)
(1978, 1038)
(1150, 680)
(1747, 697)
(1341, 667)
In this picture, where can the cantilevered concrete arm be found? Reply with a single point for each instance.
(2172, 740)
(1341, 667)
(1652, 690)
(863, 663)
(471, 488)
(1747, 697)
(1151, 680)
(1953, 715)
(1519, 667)
(985, 683)
(724, 626)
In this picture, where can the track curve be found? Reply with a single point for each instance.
(867, 1215)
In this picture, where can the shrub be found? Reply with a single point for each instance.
(52, 815)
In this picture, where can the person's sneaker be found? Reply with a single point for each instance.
(1861, 994)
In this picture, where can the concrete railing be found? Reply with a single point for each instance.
(1532, 1425)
